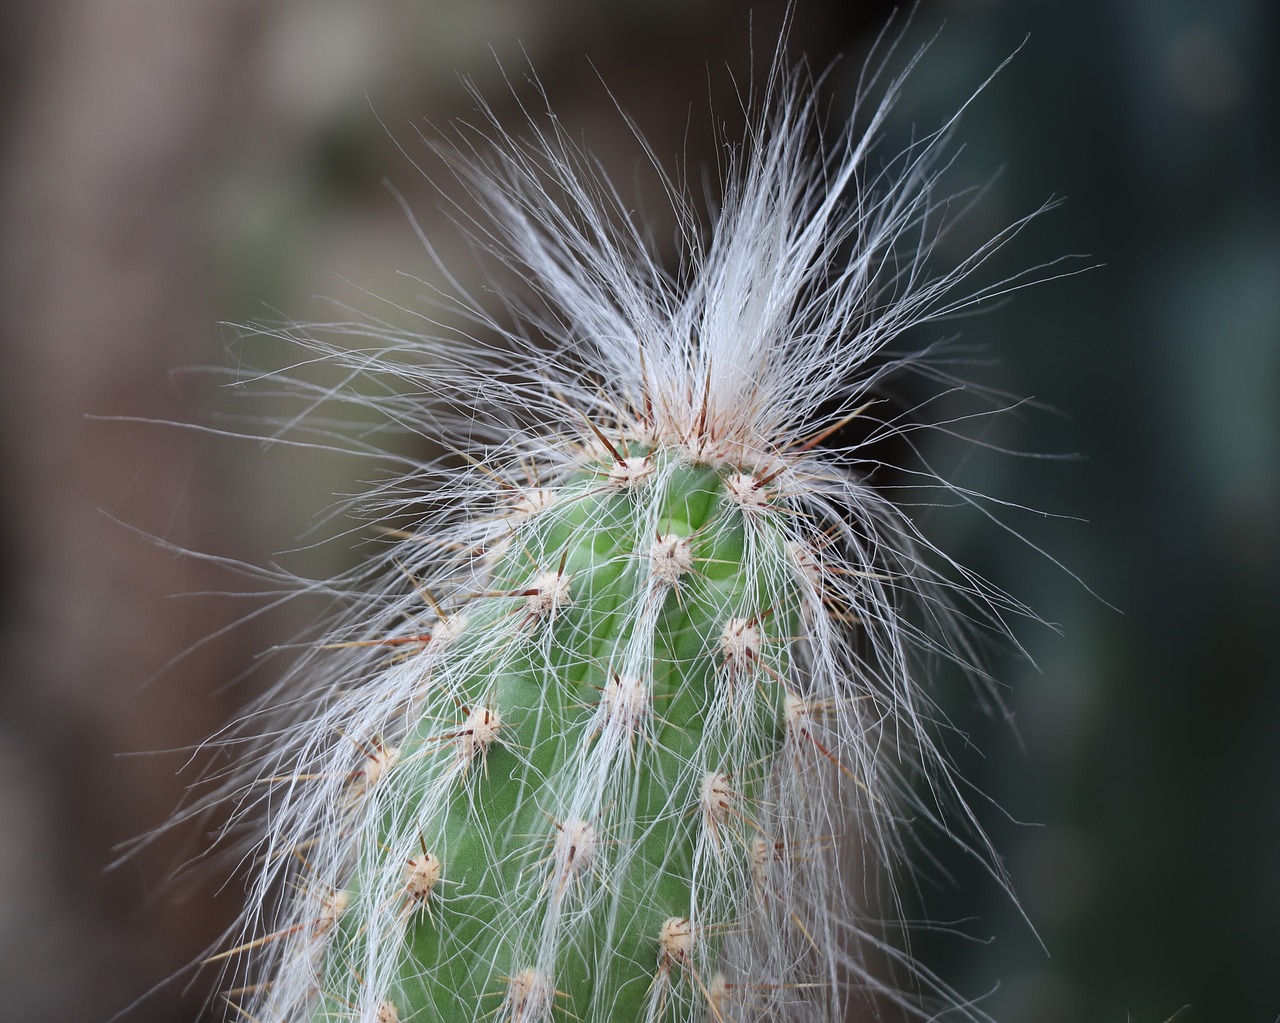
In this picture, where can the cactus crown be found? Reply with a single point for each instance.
(627, 724)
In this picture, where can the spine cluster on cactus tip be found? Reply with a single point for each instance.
(626, 725)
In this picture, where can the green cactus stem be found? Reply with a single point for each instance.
(572, 820)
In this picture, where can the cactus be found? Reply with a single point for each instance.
(627, 725)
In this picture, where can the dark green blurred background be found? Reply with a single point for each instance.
(168, 164)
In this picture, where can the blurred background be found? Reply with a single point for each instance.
(167, 165)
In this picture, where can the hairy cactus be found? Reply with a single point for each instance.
(626, 727)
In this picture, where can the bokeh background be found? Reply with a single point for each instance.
(171, 164)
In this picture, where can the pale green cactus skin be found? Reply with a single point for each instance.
(573, 821)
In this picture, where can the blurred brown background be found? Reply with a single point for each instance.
(169, 164)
